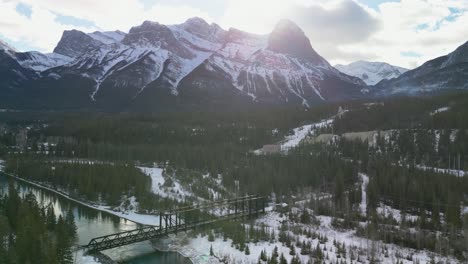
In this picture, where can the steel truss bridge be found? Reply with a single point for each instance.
(183, 219)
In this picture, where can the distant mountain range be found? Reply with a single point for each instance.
(157, 66)
(449, 72)
(371, 72)
(195, 64)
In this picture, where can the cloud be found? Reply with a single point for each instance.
(49, 18)
(39, 30)
(350, 30)
(347, 22)
(340, 23)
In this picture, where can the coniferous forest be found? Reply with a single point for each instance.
(414, 158)
(31, 233)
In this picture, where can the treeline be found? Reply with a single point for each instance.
(32, 234)
(108, 182)
(397, 177)
(413, 189)
(309, 166)
(444, 149)
(406, 113)
(195, 140)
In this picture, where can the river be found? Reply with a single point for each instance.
(93, 223)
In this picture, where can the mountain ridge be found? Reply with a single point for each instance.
(447, 72)
(258, 68)
(371, 72)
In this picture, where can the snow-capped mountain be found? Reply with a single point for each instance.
(187, 61)
(281, 66)
(443, 73)
(40, 62)
(371, 72)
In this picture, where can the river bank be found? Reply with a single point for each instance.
(93, 223)
(128, 215)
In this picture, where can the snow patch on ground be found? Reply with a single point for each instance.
(458, 173)
(390, 212)
(80, 258)
(158, 180)
(363, 205)
(440, 110)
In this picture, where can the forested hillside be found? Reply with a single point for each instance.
(399, 179)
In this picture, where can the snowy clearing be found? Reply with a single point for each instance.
(198, 249)
(158, 187)
(301, 133)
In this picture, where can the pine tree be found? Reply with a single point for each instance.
(275, 252)
(283, 259)
(292, 250)
(211, 237)
(263, 255)
(50, 218)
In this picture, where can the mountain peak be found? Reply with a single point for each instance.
(74, 43)
(196, 21)
(288, 25)
(288, 38)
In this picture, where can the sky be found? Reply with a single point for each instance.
(405, 33)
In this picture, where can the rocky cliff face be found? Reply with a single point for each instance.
(181, 63)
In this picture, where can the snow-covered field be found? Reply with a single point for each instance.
(301, 133)
(198, 249)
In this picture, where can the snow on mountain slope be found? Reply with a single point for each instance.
(265, 67)
(102, 63)
(162, 52)
(442, 73)
(108, 37)
(40, 62)
(280, 67)
(371, 72)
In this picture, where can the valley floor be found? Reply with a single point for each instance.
(358, 249)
